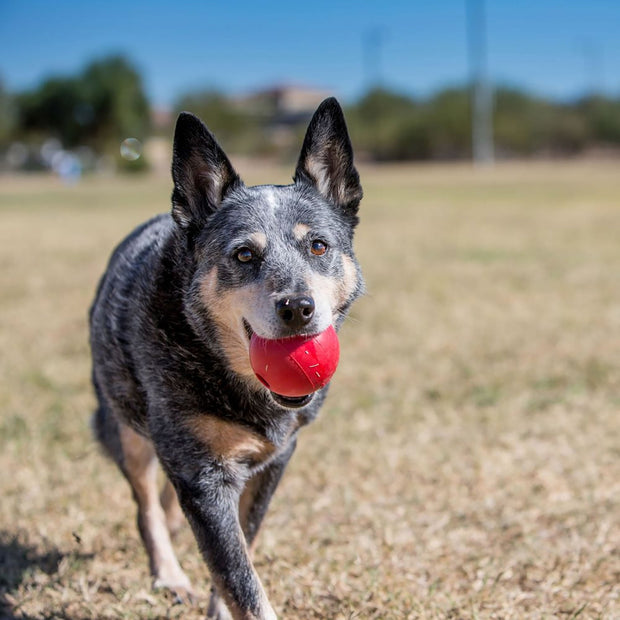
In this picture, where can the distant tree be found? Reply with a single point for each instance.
(525, 124)
(100, 107)
(448, 119)
(602, 116)
(7, 115)
(106, 103)
(380, 102)
(519, 122)
(51, 110)
(114, 104)
(389, 126)
(567, 132)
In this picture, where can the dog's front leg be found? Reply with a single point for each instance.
(210, 500)
(253, 505)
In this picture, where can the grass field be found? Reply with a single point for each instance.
(466, 465)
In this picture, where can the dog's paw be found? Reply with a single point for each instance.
(183, 593)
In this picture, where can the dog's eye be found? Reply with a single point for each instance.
(245, 255)
(318, 248)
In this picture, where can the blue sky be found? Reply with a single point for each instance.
(558, 48)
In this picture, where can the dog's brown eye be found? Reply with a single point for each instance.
(318, 248)
(245, 255)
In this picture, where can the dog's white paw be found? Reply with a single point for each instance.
(181, 589)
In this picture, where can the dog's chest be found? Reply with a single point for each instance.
(233, 442)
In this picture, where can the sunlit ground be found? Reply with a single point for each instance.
(466, 464)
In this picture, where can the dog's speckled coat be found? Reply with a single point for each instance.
(170, 329)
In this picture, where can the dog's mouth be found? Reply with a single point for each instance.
(290, 402)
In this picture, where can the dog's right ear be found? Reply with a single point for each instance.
(201, 172)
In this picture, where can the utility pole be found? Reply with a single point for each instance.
(482, 96)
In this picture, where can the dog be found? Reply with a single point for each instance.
(170, 331)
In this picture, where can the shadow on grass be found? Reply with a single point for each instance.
(19, 561)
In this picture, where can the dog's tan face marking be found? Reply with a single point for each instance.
(350, 278)
(227, 311)
(254, 303)
(259, 239)
(229, 441)
(209, 283)
(300, 231)
(332, 291)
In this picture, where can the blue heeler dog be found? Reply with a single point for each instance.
(170, 332)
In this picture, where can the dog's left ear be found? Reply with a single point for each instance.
(326, 159)
(201, 172)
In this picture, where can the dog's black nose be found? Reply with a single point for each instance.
(295, 312)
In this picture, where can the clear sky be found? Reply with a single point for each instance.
(558, 48)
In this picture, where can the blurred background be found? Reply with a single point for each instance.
(445, 80)
(466, 462)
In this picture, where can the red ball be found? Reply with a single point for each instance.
(295, 366)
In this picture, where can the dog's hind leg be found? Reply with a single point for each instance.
(140, 465)
(170, 503)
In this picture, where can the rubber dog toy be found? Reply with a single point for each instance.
(295, 366)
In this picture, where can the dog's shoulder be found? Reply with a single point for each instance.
(133, 259)
(145, 240)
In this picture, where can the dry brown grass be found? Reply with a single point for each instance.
(466, 464)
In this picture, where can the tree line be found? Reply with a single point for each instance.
(396, 127)
(106, 103)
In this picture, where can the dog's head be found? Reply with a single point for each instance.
(275, 260)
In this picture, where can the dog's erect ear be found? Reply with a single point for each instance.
(201, 172)
(326, 159)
